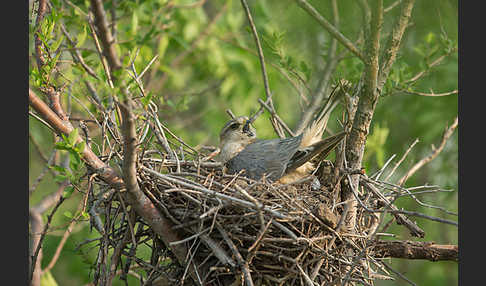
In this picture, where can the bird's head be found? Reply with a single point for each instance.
(237, 131)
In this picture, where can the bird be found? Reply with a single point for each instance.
(282, 160)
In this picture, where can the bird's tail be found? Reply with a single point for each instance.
(323, 147)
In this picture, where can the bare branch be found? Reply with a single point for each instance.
(105, 34)
(416, 250)
(447, 133)
(330, 28)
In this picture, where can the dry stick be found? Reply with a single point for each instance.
(431, 65)
(398, 274)
(401, 219)
(416, 250)
(103, 59)
(211, 192)
(261, 57)
(43, 235)
(242, 263)
(401, 160)
(275, 115)
(330, 28)
(65, 236)
(142, 204)
(323, 85)
(76, 54)
(447, 133)
(430, 94)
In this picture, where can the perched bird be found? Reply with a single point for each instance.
(284, 160)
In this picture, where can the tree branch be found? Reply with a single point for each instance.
(330, 28)
(366, 107)
(104, 32)
(394, 42)
(447, 133)
(416, 250)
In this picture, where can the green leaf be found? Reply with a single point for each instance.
(62, 146)
(60, 178)
(68, 214)
(68, 191)
(47, 279)
(81, 37)
(73, 136)
(80, 147)
(146, 100)
(56, 44)
(134, 25)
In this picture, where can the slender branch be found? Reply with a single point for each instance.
(242, 263)
(261, 57)
(323, 85)
(105, 34)
(447, 133)
(41, 10)
(330, 28)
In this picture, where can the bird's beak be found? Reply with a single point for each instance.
(246, 128)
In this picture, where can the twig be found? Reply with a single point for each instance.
(330, 28)
(401, 160)
(261, 57)
(447, 133)
(242, 263)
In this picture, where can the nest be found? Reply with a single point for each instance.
(238, 230)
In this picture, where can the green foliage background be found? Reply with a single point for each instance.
(220, 70)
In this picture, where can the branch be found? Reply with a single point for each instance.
(330, 28)
(416, 250)
(41, 10)
(323, 85)
(107, 173)
(268, 93)
(394, 42)
(364, 113)
(104, 32)
(448, 133)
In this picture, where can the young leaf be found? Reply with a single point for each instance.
(68, 191)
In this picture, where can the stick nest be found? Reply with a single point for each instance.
(259, 232)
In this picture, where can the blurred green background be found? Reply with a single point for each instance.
(207, 63)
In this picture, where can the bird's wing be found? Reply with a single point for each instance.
(305, 154)
(268, 157)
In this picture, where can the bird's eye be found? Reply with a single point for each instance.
(234, 126)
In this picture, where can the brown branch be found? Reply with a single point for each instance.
(261, 57)
(41, 10)
(323, 85)
(242, 263)
(394, 42)
(107, 173)
(330, 28)
(416, 250)
(415, 230)
(364, 113)
(105, 34)
(139, 201)
(447, 133)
